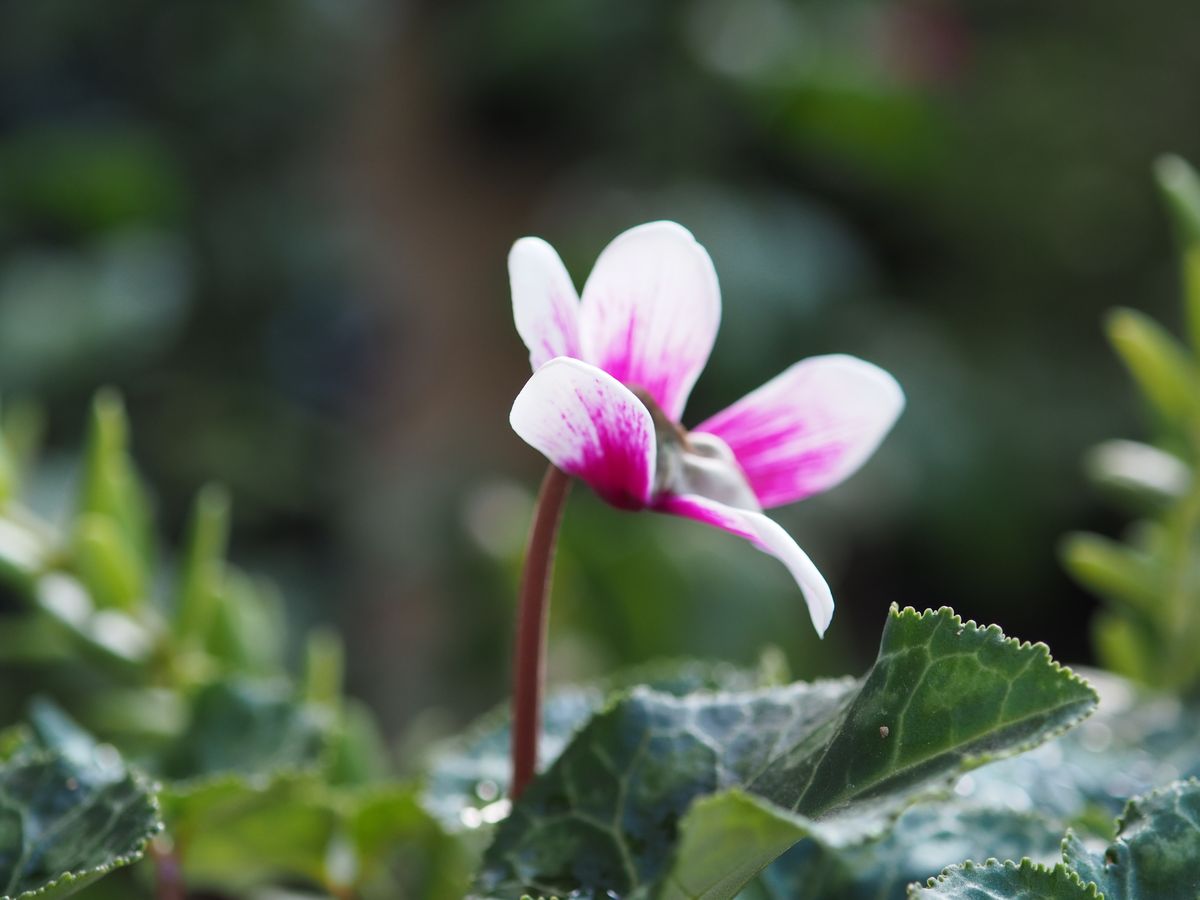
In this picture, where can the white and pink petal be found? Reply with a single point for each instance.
(592, 427)
(650, 312)
(810, 427)
(545, 303)
(767, 535)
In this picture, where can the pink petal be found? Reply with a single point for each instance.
(545, 304)
(810, 427)
(591, 426)
(650, 312)
(766, 535)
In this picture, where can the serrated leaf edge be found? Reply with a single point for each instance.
(147, 785)
(1039, 647)
(813, 826)
(1025, 865)
(1135, 803)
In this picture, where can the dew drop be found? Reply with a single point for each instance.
(107, 756)
(495, 812)
(487, 790)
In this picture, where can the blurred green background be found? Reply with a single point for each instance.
(280, 229)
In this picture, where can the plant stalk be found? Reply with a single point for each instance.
(529, 662)
(168, 872)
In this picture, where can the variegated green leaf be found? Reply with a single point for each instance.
(663, 796)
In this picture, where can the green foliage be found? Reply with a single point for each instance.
(1181, 188)
(203, 574)
(1155, 854)
(674, 781)
(837, 760)
(1015, 808)
(1160, 365)
(263, 778)
(1012, 808)
(670, 781)
(995, 880)
(1151, 580)
(111, 492)
(70, 812)
(247, 728)
(922, 842)
(468, 776)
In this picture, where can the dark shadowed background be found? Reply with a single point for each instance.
(280, 229)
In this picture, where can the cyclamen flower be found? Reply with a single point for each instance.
(612, 373)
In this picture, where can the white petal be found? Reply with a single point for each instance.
(810, 427)
(545, 304)
(650, 312)
(591, 426)
(768, 536)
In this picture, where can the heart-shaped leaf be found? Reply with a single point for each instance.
(664, 796)
(468, 776)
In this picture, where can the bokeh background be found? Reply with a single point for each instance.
(280, 229)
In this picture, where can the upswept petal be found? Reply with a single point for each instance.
(650, 312)
(545, 303)
(810, 427)
(768, 536)
(591, 426)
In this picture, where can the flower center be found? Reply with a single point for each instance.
(695, 462)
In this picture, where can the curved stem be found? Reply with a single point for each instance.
(529, 662)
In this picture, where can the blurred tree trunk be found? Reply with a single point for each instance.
(446, 210)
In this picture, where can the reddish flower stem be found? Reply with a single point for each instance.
(529, 663)
(168, 871)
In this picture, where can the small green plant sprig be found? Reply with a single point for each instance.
(177, 732)
(1150, 580)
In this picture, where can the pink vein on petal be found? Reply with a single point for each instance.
(809, 428)
(785, 458)
(590, 426)
(650, 310)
